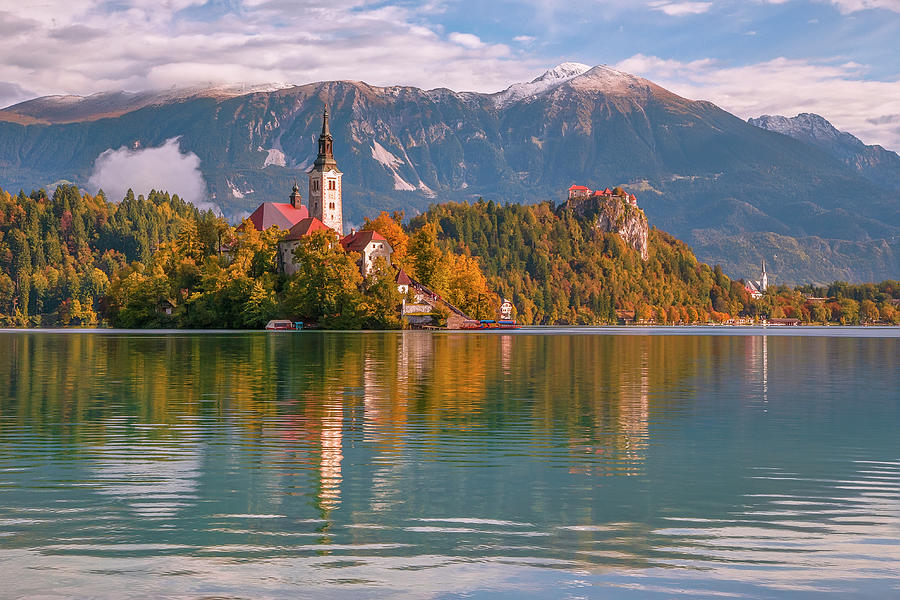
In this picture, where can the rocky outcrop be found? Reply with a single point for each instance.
(616, 214)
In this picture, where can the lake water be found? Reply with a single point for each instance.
(694, 463)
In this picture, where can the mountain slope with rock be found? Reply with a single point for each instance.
(735, 192)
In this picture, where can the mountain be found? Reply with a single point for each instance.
(876, 164)
(735, 192)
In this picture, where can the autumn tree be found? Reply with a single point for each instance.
(326, 285)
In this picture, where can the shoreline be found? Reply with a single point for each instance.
(861, 331)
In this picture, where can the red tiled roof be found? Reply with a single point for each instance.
(355, 242)
(403, 278)
(283, 215)
(607, 192)
(598, 193)
(305, 227)
(578, 187)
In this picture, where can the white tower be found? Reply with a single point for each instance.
(325, 183)
(764, 278)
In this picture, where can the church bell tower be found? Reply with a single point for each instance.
(325, 183)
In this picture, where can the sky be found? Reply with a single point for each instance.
(837, 58)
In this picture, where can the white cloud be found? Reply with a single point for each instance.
(466, 39)
(163, 168)
(787, 87)
(850, 6)
(680, 9)
(148, 44)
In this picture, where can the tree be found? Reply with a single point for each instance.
(382, 299)
(260, 307)
(467, 287)
(326, 285)
(428, 261)
(868, 312)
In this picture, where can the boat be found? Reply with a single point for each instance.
(281, 325)
(489, 324)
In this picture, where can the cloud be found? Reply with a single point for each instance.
(680, 9)
(13, 93)
(149, 44)
(782, 86)
(466, 39)
(163, 168)
(851, 6)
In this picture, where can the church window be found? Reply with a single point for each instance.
(331, 185)
(331, 206)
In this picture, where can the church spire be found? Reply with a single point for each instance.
(325, 129)
(325, 201)
(325, 159)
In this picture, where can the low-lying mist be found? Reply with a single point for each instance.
(164, 168)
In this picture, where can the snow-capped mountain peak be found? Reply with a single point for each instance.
(563, 71)
(547, 81)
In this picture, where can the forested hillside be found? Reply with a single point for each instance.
(72, 259)
(559, 268)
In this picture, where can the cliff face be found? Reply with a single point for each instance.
(616, 214)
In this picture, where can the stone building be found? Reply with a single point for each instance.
(371, 245)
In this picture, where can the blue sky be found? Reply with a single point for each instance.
(839, 58)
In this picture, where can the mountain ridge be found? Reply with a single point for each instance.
(874, 162)
(701, 173)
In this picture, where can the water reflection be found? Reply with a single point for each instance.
(506, 463)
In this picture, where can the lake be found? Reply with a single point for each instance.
(594, 463)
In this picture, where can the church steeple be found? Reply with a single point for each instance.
(325, 201)
(326, 145)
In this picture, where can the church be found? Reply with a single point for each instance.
(421, 306)
(325, 212)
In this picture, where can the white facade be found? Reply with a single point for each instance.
(373, 250)
(325, 198)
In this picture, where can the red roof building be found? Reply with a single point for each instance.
(371, 245)
(357, 241)
(304, 227)
(403, 278)
(579, 191)
(283, 214)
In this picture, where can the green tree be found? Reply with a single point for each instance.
(326, 286)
